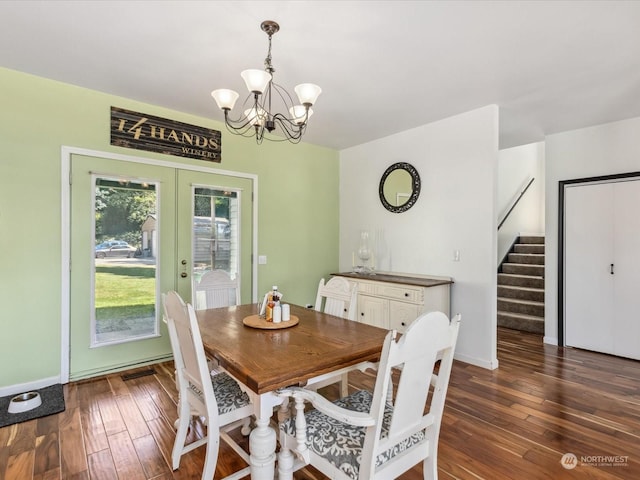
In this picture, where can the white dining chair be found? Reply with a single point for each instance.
(366, 436)
(218, 399)
(216, 289)
(337, 297)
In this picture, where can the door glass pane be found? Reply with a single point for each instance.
(124, 274)
(215, 231)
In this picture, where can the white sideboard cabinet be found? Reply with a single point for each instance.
(394, 300)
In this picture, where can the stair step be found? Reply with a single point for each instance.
(523, 269)
(537, 239)
(526, 258)
(521, 293)
(521, 286)
(520, 280)
(528, 248)
(525, 323)
(526, 307)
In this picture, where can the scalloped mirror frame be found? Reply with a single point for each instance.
(415, 187)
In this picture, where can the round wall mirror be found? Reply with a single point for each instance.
(399, 187)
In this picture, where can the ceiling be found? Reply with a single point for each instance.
(384, 66)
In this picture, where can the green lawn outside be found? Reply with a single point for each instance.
(125, 292)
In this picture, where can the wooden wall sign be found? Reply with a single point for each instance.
(154, 134)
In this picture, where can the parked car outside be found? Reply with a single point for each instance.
(110, 243)
(115, 248)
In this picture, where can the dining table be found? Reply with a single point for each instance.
(265, 358)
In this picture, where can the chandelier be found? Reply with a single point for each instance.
(258, 116)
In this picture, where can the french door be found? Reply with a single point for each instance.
(137, 230)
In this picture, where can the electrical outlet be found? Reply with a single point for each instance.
(456, 255)
(262, 259)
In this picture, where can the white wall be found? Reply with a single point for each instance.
(516, 166)
(607, 149)
(457, 162)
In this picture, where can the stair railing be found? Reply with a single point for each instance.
(515, 202)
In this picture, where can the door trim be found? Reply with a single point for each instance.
(65, 210)
(562, 186)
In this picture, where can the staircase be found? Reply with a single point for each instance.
(521, 286)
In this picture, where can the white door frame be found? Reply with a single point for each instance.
(65, 208)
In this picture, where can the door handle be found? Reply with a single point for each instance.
(611, 269)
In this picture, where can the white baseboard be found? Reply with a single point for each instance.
(489, 365)
(27, 387)
(550, 340)
(119, 368)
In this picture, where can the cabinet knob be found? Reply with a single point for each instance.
(403, 324)
(362, 314)
(406, 294)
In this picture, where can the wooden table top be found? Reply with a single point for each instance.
(265, 360)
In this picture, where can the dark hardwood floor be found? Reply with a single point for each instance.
(515, 422)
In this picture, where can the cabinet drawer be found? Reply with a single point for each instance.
(407, 294)
(401, 315)
(367, 288)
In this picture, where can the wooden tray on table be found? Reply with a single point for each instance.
(255, 321)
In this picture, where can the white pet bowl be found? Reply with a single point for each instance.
(25, 402)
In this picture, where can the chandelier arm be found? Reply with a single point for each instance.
(239, 126)
(290, 129)
(243, 125)
(282, 93)
(247, 132)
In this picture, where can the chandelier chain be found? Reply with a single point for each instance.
(267, 61)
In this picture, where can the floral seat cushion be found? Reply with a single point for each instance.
(340, 443)
(229, 395)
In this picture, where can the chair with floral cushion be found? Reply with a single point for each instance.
(366, 436)
(217, 398)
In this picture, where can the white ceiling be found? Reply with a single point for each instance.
(384, 66)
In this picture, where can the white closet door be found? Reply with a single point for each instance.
(626, 298)
(589, 305)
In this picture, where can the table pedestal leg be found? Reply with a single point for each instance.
(285, 464)
(262, 445)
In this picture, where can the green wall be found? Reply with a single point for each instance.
(297, 201)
